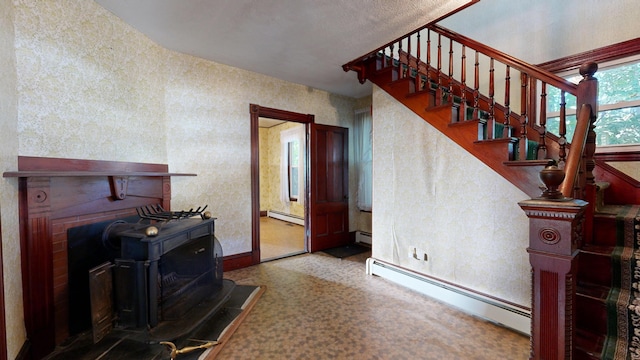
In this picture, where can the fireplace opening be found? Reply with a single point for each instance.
(86, 250)
(165, 277)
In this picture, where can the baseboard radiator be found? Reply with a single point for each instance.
(504, 314)
(285, 217)
(363, 237)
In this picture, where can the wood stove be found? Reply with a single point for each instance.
(165, 271)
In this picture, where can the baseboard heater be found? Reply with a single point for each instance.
(286, 217)
(504, 314)
(363, 237)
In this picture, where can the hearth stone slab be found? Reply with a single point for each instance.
(120, 344)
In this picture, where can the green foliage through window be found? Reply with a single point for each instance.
(618, 121)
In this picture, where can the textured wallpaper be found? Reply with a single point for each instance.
(430, 194)
(207, 110)
(90, 87)
(265, 171)
(13, 311)
(82, 84)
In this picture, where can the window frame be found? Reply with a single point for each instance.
(604, 56)
(290, 165)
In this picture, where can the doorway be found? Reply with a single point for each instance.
(276, 230)
(283, 150)
(326, 190)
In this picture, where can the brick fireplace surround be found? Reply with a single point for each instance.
(59, 194)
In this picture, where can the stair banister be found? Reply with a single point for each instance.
(538, 73)
(579, 165)
(572, 182)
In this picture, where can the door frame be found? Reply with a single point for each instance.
(257, 112)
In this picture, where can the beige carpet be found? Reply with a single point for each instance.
(320, 307)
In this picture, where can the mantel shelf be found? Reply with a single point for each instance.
(47, 173)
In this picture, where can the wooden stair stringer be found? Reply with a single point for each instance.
(623, 190)
(492, 153)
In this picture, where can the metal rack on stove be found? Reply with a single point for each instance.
(156, 212)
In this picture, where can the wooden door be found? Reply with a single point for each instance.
(329, 200)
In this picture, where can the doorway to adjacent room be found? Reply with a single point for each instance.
(283, 153)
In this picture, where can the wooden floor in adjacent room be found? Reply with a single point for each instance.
(320, 307)
(279, 238)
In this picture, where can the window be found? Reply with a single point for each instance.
(618, 121)
(293, 152)
(292, 142)
(363, 132)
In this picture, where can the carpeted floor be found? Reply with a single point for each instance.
(623, 302)
(320, 307)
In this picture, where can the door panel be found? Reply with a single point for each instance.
(329, 203)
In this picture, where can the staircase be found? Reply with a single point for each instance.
(513, 140)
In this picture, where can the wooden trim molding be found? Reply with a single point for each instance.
(605, 53)
(237, 261)
(3, 321)
(257, 112)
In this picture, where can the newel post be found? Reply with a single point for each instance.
(555, 235)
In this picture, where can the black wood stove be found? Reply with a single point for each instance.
(163, 277)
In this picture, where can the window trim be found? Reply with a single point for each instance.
(605, 56)
(290, 166)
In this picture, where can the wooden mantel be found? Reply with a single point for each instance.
(56, 195)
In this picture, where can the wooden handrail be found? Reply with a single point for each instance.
(578, 143)
(536, 72)
(533, 71)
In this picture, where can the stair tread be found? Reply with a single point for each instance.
(594, 291)
(465, 123)
(500, 140)
(526, 162)
(589, 344)
(610, 210)
(604, 250)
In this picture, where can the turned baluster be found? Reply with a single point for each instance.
(391, 47)
(418, 79)
(384, 57)
(450, 97)
(463, 85)
(491, 119)
(400, 63)
(428, 83)
(562, 131)
(439, 72)
(506, 129)
(542, 148)
(407, 71)
(524, 121)
(476, 86)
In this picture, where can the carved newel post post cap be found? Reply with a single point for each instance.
(588, 69)
(552, 177)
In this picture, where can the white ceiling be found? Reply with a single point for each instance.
(300, 41)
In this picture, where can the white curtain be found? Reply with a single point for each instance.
(286, 136)
(363, 157)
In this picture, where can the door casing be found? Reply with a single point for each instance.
(257, 112)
